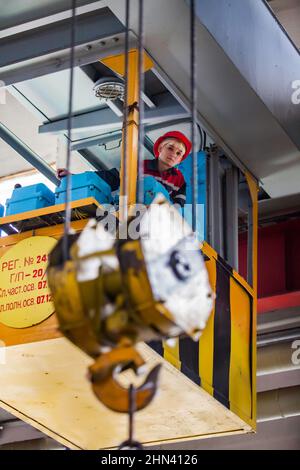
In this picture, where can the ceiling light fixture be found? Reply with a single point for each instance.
(109, 88)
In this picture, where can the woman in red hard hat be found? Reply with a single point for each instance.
(170, 149)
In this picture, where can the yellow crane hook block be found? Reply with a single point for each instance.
(112, 293)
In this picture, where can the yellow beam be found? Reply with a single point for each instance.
(117, 64)
(253, 188)
(80, 203)
(206, 343)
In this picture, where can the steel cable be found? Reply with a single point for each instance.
(194, 116)
(124, 182)
(140, 182)
(67, 224)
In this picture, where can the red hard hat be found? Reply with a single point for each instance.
(173, 135)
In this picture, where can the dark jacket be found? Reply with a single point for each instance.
(171, 179)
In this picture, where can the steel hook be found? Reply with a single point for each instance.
(103, 375)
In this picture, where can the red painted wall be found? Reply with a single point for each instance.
(278, 258)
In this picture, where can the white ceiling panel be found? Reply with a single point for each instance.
(25, 125)
(16, 12)
(50, 93)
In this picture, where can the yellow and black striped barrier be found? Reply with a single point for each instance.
(222, 361)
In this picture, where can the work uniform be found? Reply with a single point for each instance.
(111, 177)
(172, 179)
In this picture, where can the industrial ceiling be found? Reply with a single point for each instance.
(236, 76)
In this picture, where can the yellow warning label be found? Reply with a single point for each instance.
(25, 298)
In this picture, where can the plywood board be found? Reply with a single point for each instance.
(45, 385)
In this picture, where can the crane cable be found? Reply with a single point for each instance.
(130, 443)
(193, 115)
(124, 181)
(140, 182)
(67, 224)
(140, 191)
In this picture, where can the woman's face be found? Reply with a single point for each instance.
(171, 152)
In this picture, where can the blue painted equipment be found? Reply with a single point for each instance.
(187, 170)
(116, 199)
(152, 188)
(84, 185)
(28, 198)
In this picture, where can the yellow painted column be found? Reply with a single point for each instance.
(240, 390)
(253, 188)
(117, 64)
(206, 342)
(171, 353)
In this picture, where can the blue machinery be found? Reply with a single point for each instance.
(89, 184)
